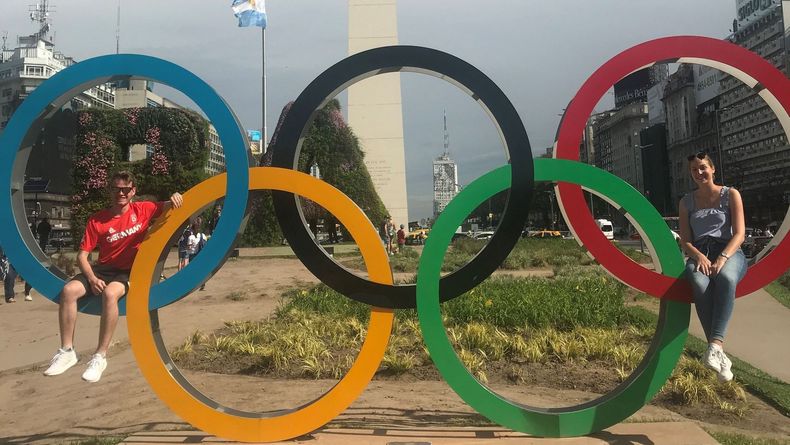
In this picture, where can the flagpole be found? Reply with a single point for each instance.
(263, 76)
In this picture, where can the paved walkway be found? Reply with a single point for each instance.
(654, 433)
(758, 333)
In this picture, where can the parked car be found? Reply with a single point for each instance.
(461, 235)
(484, 235)
(606, 227)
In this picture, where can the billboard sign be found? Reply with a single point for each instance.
(255, 139)
(254, 135)
(633, 88)
(750, 10)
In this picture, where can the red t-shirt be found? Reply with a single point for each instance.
(401, 236)
(119, 236)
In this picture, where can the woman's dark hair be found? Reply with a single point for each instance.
(702, 156)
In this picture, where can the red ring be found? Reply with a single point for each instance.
(572, 128)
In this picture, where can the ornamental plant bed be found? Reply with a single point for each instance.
(592, 347)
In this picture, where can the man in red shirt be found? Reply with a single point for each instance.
(117, 231)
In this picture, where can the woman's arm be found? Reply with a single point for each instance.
(738, 229)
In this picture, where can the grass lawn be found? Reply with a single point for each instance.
(781, 293)
(506, 330)
(740, 439)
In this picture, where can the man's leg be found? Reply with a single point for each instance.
(109, 314)
(65, 358)
(67, 311)
(8, 284)
(109, 319)
(28, 288)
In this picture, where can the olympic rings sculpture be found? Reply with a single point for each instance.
(146, 295)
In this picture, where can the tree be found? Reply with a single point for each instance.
(332, 145)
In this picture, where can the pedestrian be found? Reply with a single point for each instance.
(183, 248)
(196, 243)
(387, 233)
(8, 276)
(712, 230)
(117, 231)
(401, 238)
(214, 219)
(43, 230)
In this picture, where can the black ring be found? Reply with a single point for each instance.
(390, 59)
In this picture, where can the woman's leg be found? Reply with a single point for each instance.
(703, 296)
(724, 294)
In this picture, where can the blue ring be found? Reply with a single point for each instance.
(100, 69)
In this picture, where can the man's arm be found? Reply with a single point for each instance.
(176, 200)
(97, 285)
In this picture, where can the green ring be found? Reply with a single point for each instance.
(595, 415)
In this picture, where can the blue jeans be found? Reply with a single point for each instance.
(10, 281)
(714, 296)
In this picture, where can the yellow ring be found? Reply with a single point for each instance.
(253, 427)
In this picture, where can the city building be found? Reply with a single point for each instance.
(445, 177)
(22, 69)
(617, 145)
(755, 149)
(587, 146)
(655, 168)
(33, 60)
(653, 144)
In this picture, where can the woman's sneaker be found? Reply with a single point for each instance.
(61, 362)
(711, 358)
(96, 366)
(725, 373)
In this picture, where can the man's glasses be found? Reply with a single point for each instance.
(122, 190)
(701, 155)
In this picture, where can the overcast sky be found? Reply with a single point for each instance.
(538, 52)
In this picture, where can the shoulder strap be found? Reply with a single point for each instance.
(724, 199)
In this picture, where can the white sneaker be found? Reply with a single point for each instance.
(61, 362)
(96, 366)
(725, 373)
(28, 298)
(711, 358)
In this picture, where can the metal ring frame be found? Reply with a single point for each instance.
(145, 297)
(404, 59)
(23, 129)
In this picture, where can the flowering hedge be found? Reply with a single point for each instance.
(102, 142)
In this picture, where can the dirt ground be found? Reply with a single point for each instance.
(38, 409)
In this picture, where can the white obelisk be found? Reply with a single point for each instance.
(374, 105)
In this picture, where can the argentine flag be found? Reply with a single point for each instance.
(250, 12)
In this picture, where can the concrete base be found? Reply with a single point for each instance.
(657, 433)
